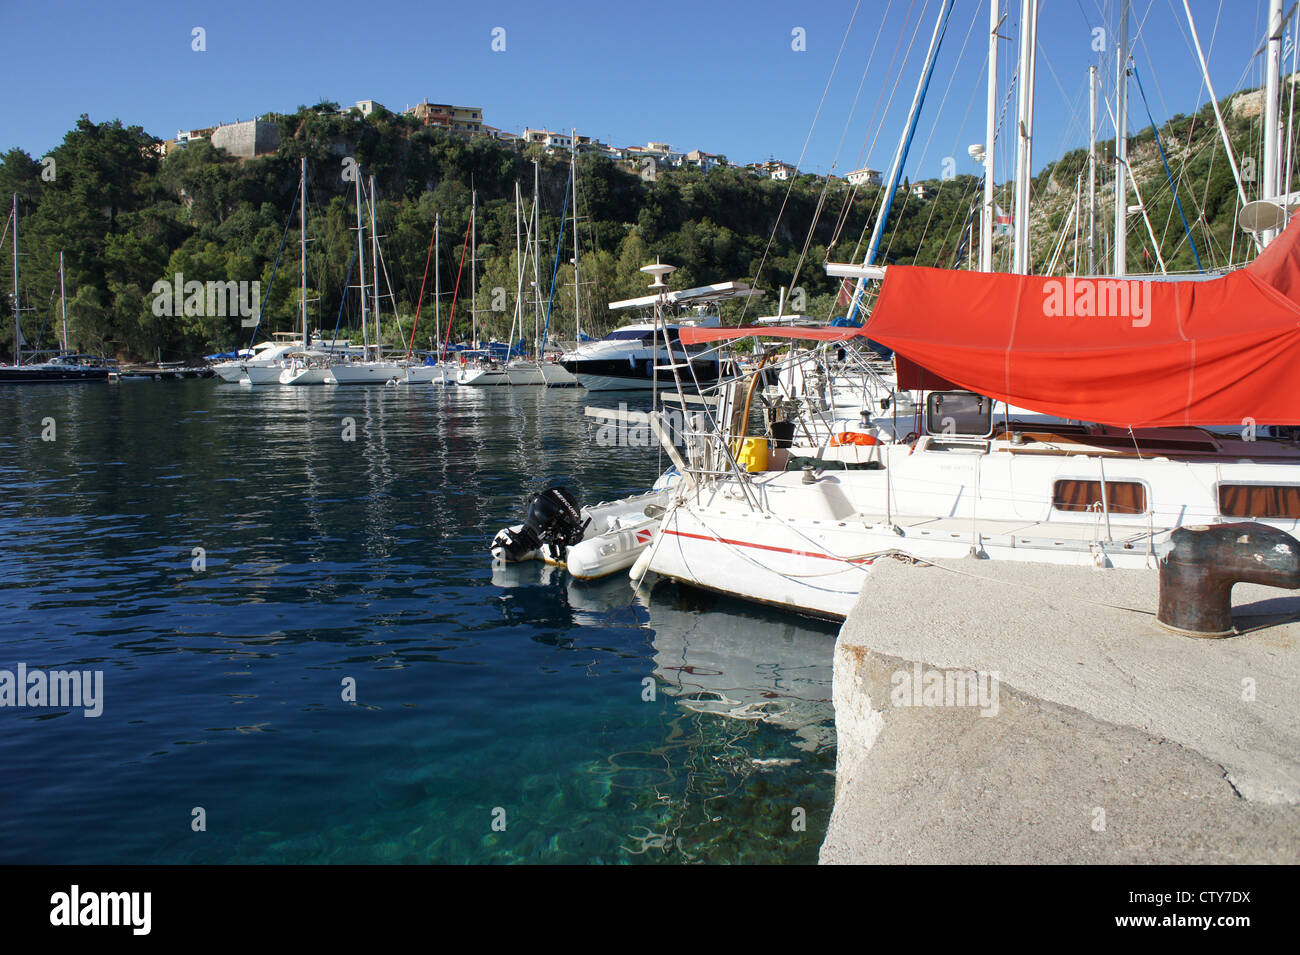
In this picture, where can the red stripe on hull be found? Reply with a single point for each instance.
(779, 550)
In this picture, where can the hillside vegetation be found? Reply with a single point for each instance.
(126, 218)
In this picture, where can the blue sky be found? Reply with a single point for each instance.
(720, 76)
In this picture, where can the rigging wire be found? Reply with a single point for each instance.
(807, 139)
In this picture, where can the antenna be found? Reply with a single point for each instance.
(658, 270)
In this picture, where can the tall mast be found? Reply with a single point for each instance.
(1218, 114)
(537, 263)
(1092, 170)
(361, 258)
(1121, 145)
(519, 268)
(374, 262)
(437, 281)
(1025, 133)
(573, 187)
(18, 332)
(1272, 184)
(473, 262)
(302, 228)
(900, 156)
(63, 303)
(990, 138)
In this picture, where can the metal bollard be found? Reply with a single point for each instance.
(1197, 575)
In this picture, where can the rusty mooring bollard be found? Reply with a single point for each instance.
(1197, 575)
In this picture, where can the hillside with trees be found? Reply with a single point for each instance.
(125, 218)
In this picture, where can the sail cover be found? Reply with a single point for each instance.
(1118, 351)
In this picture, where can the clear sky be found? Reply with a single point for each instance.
(718, 75)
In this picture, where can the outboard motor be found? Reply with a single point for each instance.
(553, 519)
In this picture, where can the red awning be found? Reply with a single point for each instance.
(692, 335)
(1123, 352)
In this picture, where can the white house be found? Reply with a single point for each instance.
(864, 177)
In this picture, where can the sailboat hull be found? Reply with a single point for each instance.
(306, 376)
(35, 374)
(427, 375)
(368, 373)
(263, 374)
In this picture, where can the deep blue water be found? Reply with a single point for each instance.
(512, 694)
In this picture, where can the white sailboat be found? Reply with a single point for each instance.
(64, 367)
(307, 366)
(536, 371)
(481, 368)
(1131, 442)
(430, 371)
(372, 368)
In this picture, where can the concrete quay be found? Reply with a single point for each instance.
(1104, 737)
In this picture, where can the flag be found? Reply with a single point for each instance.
(1002, 223)
(846, 294)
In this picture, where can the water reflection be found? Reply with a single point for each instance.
(367, 559)
(711, 654)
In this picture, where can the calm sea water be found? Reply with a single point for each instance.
(511, 696)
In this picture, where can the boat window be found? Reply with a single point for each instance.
(628, 334)
(1259, 500)
(1122, 497)
(958, 412)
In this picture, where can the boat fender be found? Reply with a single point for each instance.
(845, 438)
(641, 566)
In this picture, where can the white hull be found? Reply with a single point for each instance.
(555, 375)
(518, 374)
(231, 371)
(617, 533)
(306, 376)
(810, 546)
(367, 372)
(263, 374)
(427, 375)
(526, 374)
(482, 377)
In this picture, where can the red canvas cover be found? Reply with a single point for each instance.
(1123, 352)
(910, 376)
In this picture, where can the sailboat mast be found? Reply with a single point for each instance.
(63, 303)
(361, 259)
(537, 263)
(1025, 135)
(473, 262)
(18, 332)
(519, 267)
(302, 229)
(437, 282)
(1272, 183)
(900, 157)
(1218, 115)
(374, 263)
(990, 139)
(573, 188)
(1092, 170)
(1121, 145)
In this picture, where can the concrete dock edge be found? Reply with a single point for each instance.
(1101, 736)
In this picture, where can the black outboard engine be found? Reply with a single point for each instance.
(553, 518)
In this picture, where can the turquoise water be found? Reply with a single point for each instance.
(500, 715)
